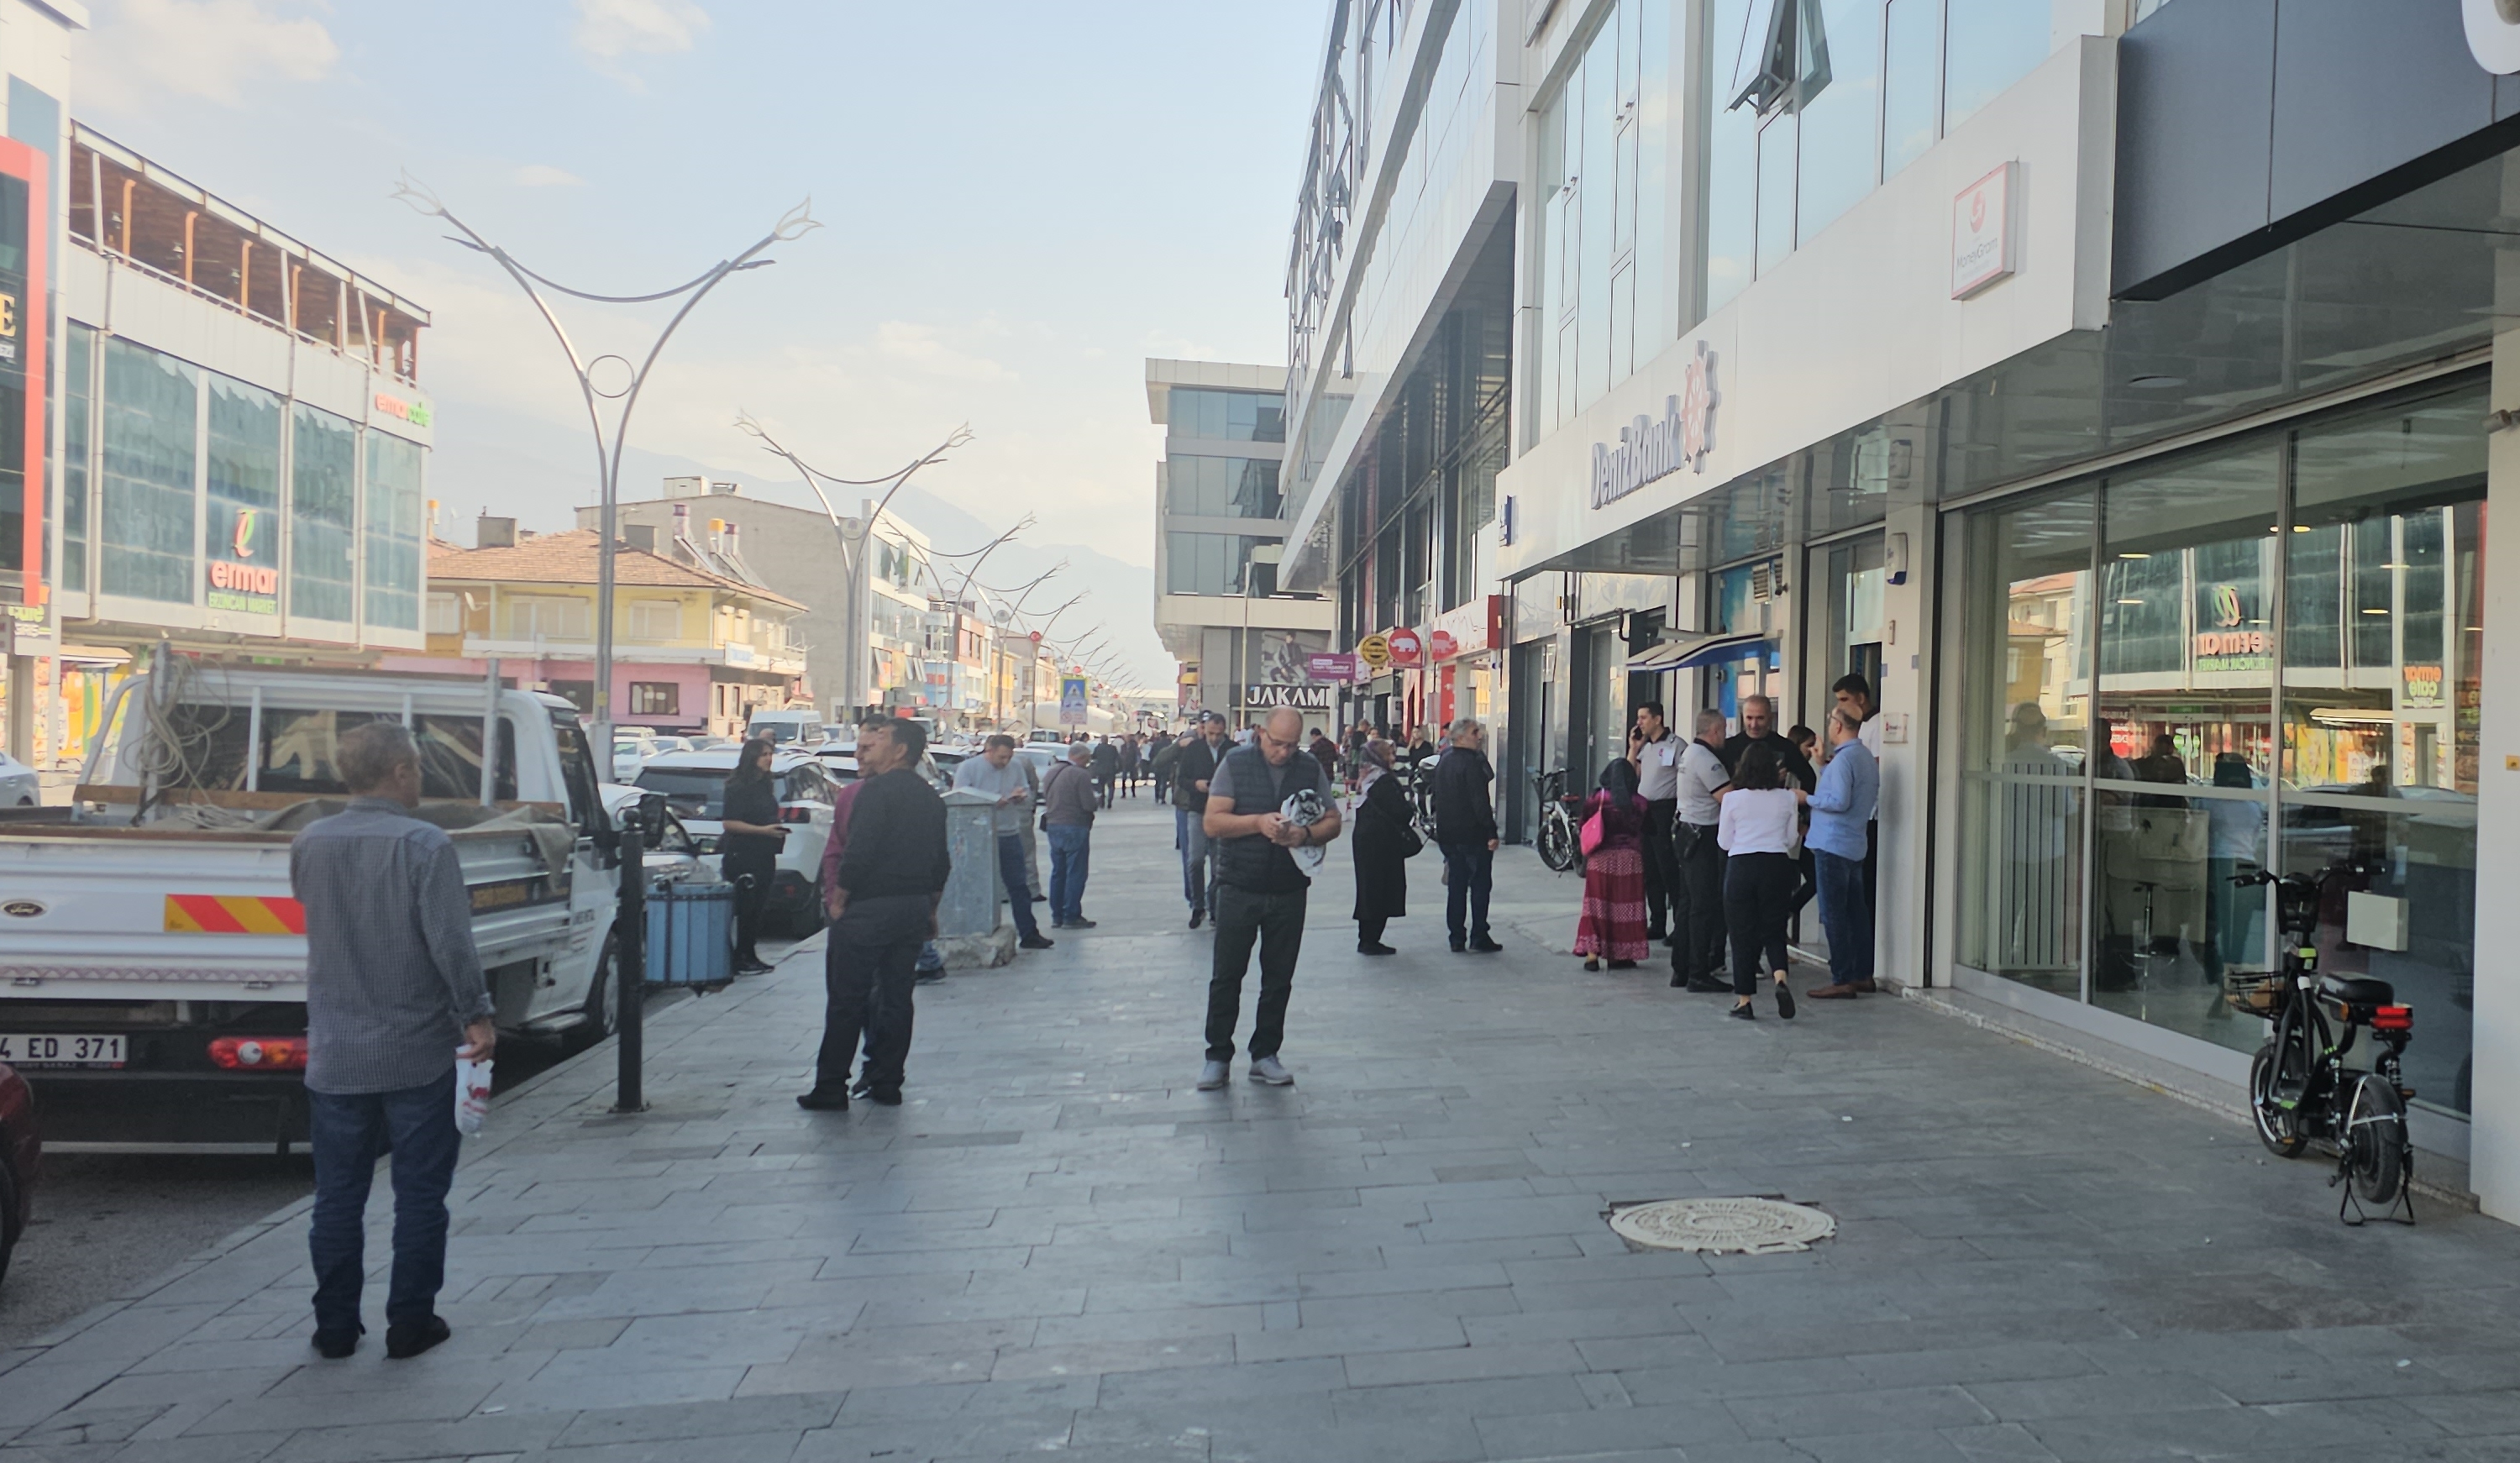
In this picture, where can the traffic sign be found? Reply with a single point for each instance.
(1405, 646)
(1071, 701)
(1375, 650)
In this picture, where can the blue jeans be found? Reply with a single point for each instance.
(1199, 862)
(349, 1132)
(1846, 918)
(1469, 872)
(1071, 847)
(1011, 872)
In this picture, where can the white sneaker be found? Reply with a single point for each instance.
(1212, 1076)
(1270, 1070)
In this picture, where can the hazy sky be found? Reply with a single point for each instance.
(1022, 200)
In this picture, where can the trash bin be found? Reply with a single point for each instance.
(690, 934)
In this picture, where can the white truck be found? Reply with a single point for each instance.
(153, 964)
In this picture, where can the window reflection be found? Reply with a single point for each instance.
(1840, 149)
(1911, 84)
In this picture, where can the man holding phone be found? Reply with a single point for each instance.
(1656, 754)
(995, 773)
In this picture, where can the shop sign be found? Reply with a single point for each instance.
(413, 412)
(2494, 34)
(31, 631)
(2423, 687)
(1469, 628)
(1375, 650)
(1982, 233)
(2232, 645)
(1405, 648)
(1441, 645)
(1650, 449)
(1270, 696)
(1330, 665)
(237, 583)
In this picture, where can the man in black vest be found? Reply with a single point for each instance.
(1260, 888)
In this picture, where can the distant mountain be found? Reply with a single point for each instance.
(511, 464)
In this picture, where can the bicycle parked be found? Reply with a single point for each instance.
(1555, 838)
(2300, 1089)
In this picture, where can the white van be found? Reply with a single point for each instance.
(801, 728)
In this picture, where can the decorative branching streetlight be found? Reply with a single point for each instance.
(622, 383)
(853, 554)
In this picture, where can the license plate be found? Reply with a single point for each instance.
(48, 1050)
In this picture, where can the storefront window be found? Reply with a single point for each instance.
(2027, 626)
(78, 361)
(392, 532)
(244, 480)
(2203, 764)
(1840, 143)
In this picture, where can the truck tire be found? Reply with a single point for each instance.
(603, 995)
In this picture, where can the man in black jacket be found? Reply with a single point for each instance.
(1759, 729)
(1192, 771)
(1106, 769)
(1466, 830)
(890, 881)
(1166, 750)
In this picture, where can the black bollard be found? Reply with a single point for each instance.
(630, 970)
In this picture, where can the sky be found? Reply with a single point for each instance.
(1021, 202)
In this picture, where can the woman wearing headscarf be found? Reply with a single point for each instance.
(1612, 925)
(1383, 843)
(749, 842)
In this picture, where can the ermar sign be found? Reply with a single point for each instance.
(2494, 34)
(1651, 447)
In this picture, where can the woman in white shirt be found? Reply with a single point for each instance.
(1758, 826)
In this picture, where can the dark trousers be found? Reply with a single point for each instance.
(1011, 872)
(750, 873)
(349, 1132)
(1846, 918)
(1072, 852)
(1469, 876)
(1662, 867)
(1698, 912)
(1758, 900)
(1368, 932)
(1102, 784)
(1277, 922)
(868, 974)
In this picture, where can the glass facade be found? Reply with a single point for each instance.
(242, 479)
(324, 514)
(1833, 98)
(1601, 134)
(78, 436)
(148, 494)
(1226, 416)
(1212, 487)
(1207, 564)
(393, 532)
(2263, 655)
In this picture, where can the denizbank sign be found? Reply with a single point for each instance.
(1650, 447)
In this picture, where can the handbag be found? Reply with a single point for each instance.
(1593, 833)
(1411, 845)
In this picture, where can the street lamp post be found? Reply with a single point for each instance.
(859, 584)
(614, 386)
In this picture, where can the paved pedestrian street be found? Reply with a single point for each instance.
(1059, 1246)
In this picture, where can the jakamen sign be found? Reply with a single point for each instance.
(1258, 697)
(1650, 447)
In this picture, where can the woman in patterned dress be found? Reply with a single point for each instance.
(1612, 925)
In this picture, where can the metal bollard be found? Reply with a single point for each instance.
(630, 971)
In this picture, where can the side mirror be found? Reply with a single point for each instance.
(649, 813)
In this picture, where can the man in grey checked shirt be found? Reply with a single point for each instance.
(393, 985)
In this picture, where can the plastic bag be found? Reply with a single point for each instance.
(472, 1094)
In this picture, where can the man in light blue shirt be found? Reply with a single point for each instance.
(994, 773)
(1840, 806)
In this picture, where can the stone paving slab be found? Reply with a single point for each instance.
(1059, 1246)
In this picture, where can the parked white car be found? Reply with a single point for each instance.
(670, 854)
(695, 788)
(18, 784)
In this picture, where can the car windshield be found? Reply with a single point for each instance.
(691, 791)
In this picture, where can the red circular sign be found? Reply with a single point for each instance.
(1405, 648)
(1442, 644)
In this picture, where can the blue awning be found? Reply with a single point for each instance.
(1689, 649)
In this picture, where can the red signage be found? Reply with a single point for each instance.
(1405, 648)
(1442, 644)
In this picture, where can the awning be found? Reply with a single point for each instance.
(1690, 649)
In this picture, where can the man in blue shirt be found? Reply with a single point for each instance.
(1840, 806)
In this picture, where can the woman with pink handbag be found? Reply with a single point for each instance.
(1612, 925)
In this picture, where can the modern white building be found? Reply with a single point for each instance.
(1221, 530)
(2114, 388)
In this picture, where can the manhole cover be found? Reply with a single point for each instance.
(1723, 1226)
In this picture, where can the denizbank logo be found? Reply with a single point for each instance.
(1651, 447)
(2494, 34)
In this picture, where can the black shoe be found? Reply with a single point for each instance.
(1784, 1000)
(1080, 922)
(1375, 948)
(1483, 946)
(752, 967)
(1623, 965)
(820, 1101)
(1705, 987)
(1459, 945)
(1657, 937)
(1197, 918)
(879, 1096)
(1744, 1012)
(1037, 941)
(1041, 898)
(927, 977)
(402, 1343)
(332, 1345)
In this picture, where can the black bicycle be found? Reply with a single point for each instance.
(1556, 837)
(2300, 1089)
